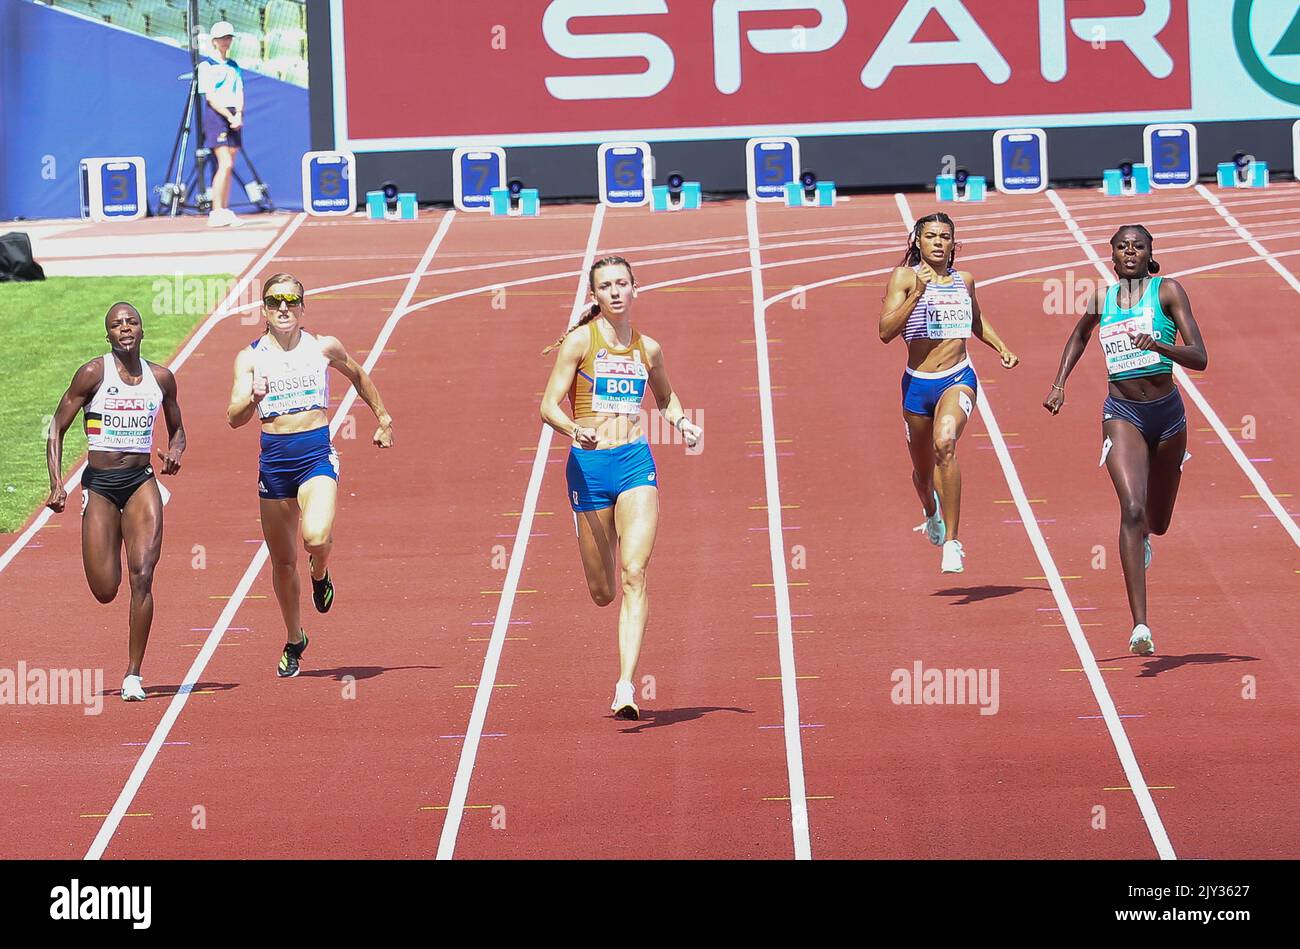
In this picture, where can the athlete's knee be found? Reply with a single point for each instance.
(1133, 512)
(945, 449)
(314, 536)
(601, 595)
(634, 576)
(141, 578)
(104, 593)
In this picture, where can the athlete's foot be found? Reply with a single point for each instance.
(132, 689)
(933, 526)
(288, 667)
(322, 590)
(953, 555)
(1141, 643)
(623, 705)
(1146, 547)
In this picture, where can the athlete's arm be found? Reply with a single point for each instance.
(1192, 354)
(249, 390)
(1074, 347)
(85, 382)
(669, 405)
(171, 407)
(906, 287)
(983, 330)
(341, 360)
(567, 360)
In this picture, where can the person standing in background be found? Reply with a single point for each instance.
(222, 83)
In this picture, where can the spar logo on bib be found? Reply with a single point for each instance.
(1267, 34)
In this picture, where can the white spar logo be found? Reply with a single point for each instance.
(972, 45)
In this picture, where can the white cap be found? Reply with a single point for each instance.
(222, 29)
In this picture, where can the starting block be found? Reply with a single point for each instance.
(676, 195)
(377, 206)
(1243, 174)
(949, 188)
(1116, 183)
(808, 192)
(515, 201)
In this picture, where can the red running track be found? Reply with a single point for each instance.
(423, 530)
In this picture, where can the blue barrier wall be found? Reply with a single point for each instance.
(71, 89)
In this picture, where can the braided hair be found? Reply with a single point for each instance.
(593, 311)
(913, 255)
(1153, 267)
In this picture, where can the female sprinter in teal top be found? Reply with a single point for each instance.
(1144, 425)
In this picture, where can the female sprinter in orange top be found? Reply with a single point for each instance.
(935, 310)
(283, 379)
(603, 366)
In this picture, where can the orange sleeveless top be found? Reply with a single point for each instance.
(610, 380)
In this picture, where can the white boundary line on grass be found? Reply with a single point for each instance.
(1184, 380)
(776, 544)
(177, 705)
(492, 658)
(1132, 771)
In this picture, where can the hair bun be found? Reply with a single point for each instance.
(1153, 267)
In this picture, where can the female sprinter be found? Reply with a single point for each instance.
(603, 365)
(282, 377)
(120, 395)
(1144, 426)
(934, 307)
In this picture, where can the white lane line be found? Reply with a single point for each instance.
(177, 704)
(776, 542)
(1119, 738)
(1248, 237)
(1185, 381)
(492, 658)
(217, 315)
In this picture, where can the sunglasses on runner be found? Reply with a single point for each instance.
(274, 300)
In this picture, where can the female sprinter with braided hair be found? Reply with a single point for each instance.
(603, 366)
(1144, 425)
(935, 310)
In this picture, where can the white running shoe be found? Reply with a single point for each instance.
(1146, 544)
(233, 219)
(953, 555)
(1141, 643)
(132, 689)
(933, 526)
(624, 705)
(219, 217)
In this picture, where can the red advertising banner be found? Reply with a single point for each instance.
(420, 74)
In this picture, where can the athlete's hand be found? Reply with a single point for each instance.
(691, 433)
(1055, 400)
(259, 389)
(923, 279)
(237, 121)
(171, 460)
(586, 438)
(57, 500)
(384, 435)
(1009, 359)
(1142, 340)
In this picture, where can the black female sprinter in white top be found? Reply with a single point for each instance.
(120, 395)
(1144, 426)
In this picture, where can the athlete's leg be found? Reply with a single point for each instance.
(318, 500)
(220, 191)
(1129, 463)
(142, 529)
(636, 515)
(1163, 481)
(950, 418)
(101, 546)
(597, 540)
(280, 528)
(920, 446)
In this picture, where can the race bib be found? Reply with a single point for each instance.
(294, 390)
(949, 316)
(125, 424)
(1121, 354)
(619, 385)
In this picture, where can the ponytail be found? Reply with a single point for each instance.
(593, 311)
